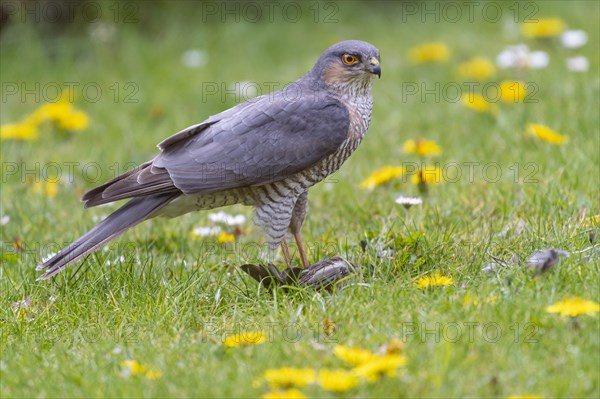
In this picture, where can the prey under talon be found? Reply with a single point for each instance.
(321, 275)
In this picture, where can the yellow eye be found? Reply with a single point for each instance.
(349, 59)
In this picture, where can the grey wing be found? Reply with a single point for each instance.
(261, 144)
(251, 144)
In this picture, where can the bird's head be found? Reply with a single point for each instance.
(348, 63)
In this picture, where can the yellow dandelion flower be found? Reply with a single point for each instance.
(21, 314)
(22, 309)
(48, 188)
(394, 347)
(245, 339)
(477, 68)
(512, 91)
(153, 374)
(337, 380)
(574, 306)
(287, 394)
(51, 112)
(592, 221)
(422, 147)
(434, 280)
(63, 113)
(428, 175)
(381, 176)
(492, 299)
(478, 103)
(544, 133)
(51, 188)
(328, 327)
(19, 131)
(76, 120)
(543, 28)
(133, 366)
(380, 366)
(429, 52)
(224, 237)
(470, 300)
(288, 377)
(353, 356)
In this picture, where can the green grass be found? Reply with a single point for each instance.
(171, 300)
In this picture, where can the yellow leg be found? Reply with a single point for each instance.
(298, 238)
(286, 253)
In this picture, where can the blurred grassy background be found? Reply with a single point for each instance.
(133, 51)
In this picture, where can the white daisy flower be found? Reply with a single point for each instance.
(407, 202)
(223, 217)
(102, 32)
(194, 58)
(520, 57)
(577, 64)
(117, 350)
(206, 231)
(573, 38)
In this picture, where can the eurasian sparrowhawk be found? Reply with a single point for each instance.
(266, 152)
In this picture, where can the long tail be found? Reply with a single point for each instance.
(132, 213)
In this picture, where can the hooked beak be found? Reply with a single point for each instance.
(374, 68)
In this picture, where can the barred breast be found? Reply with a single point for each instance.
(276, 201)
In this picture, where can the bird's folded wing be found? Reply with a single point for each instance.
(254, 144)
(264, 143)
